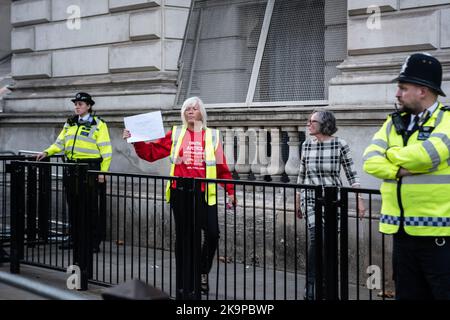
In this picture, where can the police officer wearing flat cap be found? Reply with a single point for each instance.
(85, 139)
(411, 154)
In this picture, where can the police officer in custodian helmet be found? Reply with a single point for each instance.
(411, 154)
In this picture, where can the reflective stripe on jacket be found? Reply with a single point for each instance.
(421, 201)
(84, 141)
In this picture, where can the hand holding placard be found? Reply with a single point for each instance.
(144, 127)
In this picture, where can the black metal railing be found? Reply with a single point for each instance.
(137, 232)
(125, 229)
(365, 253)
(5, 188)
(263, 253)
(39, 212)
(140, 241)
(5, 230)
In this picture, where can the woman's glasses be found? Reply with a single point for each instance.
(310, 122)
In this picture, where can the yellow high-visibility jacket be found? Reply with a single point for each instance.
(421, 201)
(87, 140)
(211, 145)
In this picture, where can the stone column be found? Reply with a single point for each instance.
(276, 166)
(293, 162)
(228, 146)
(253, 154)
(242, 164)
(262, 154)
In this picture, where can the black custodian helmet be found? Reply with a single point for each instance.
(422, 69)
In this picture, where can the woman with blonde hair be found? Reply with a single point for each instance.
(195, 152)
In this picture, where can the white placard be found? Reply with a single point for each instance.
(144, 127)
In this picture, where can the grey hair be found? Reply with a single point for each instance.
(192, 101)
(327, 122)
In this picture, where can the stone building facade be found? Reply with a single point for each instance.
(261, 66)
(126, 53)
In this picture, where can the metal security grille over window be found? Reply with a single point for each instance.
(252, 52)
(219, 50)
(292, 67)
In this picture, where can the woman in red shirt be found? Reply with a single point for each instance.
(190, 163)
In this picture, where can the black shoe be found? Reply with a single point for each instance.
(204, 286)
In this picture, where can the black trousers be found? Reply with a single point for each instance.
(96, 205)
(310, 284)
(421, 267)
(186, 246)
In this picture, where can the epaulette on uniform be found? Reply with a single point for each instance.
(72, 120)
(446, 108)
(99, 119)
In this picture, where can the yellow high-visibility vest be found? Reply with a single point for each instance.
(423, 198)
(211, 145)
(84, 141)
